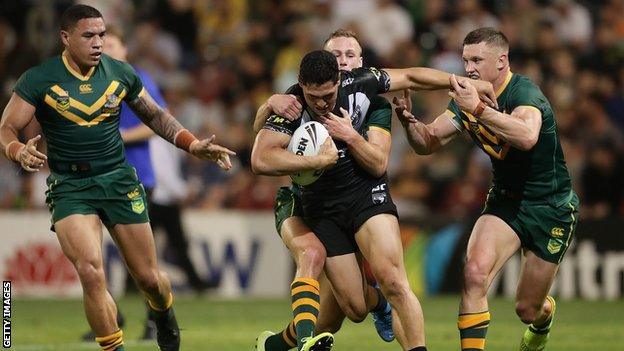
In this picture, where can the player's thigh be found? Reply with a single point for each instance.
(492, 242)
(298, 237)
(379, 241)
(536, 278)
(80, 237)
(343, 272)
(136, 244)
(330, 315)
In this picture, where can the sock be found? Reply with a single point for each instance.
(282, 341)
(419, 348)
(382, 304)
(305, 306)
(113, 342)
(472, 330)
(544, 327)
(168, 304)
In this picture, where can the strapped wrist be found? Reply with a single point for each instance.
(478, 111)
(183, 139)
(12, 150)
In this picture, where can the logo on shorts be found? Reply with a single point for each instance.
(557, 232)
(379, 195)
(554, 246)
(133, 194)
(138, 206)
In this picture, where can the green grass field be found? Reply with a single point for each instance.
(210, 324)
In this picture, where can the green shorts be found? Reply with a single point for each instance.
(544, 229)
(287, 204)
(117, 196)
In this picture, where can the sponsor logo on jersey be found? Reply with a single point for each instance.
(112, 104)
(62, 103)
(347, 82)
(85, 89)
(379, 194)
(557, 232)
(554, 246)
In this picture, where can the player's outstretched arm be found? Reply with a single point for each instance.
(425, 139)
(16, 116)
(285, 105)
(270, 157)
(520, 128)
(423, 78)
(165, 125)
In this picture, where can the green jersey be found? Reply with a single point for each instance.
(79, 114)
(538, 175)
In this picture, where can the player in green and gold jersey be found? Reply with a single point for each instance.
(76, 98)
(531, 205)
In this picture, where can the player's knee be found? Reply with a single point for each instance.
(313, 258)
(475, 277)
(527, 311)
(91, 275)
(356, 312)
(148, 281)
(393, 285)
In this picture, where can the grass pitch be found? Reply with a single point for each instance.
(222, 325)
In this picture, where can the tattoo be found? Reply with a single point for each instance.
(159, 120)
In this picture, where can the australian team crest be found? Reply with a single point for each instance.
(62, 103)
(112, 104)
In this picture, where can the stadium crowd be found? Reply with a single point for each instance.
(216, 61)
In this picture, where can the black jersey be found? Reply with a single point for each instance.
(357, 93)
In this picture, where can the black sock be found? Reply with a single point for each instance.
(419, 348)
(381, 301)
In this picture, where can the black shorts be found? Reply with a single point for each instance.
(336, 219)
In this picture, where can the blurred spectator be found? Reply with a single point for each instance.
(572, 22)
(602, 182)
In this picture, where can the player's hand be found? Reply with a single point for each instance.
(207, 150)
(29, 157)
(328, 154)
(464, 93)
(484, 89)
(286, 106)
(403, 108)
(340, 127)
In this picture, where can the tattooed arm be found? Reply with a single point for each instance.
(165, 125)
(159, 120)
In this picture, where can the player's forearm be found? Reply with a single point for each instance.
(264, 111)
(513, 130)
(8, 139)
(278, 162)
(137, 134)
(418, 78)
(420, 138)
(157, 119)
(369, 156)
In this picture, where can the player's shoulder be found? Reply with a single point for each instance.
(116, 66)
(520, 82)
(44, 70)
(380, 103)
(359, 75)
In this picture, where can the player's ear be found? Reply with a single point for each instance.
(501, 62)
(65, 37)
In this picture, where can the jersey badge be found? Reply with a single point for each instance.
(62, 103)
(112, 104)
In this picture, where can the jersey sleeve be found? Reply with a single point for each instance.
(454, 114)
(133, 82)
(527, 94)
(281, 124)
(27, 87)
(371, 80)
(380, 115)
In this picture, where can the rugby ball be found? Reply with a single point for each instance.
(306, 141)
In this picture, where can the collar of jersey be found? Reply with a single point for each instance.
(505, 83)
(74, 72)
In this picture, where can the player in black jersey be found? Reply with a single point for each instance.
(349, 208)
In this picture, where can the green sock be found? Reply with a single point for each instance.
(282, 341)
(305, 306)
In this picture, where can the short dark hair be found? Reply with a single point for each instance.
(341, 33)
(318, 67)
(489, 35)
(75, 13)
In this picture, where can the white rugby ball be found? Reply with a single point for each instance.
(307, 141)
